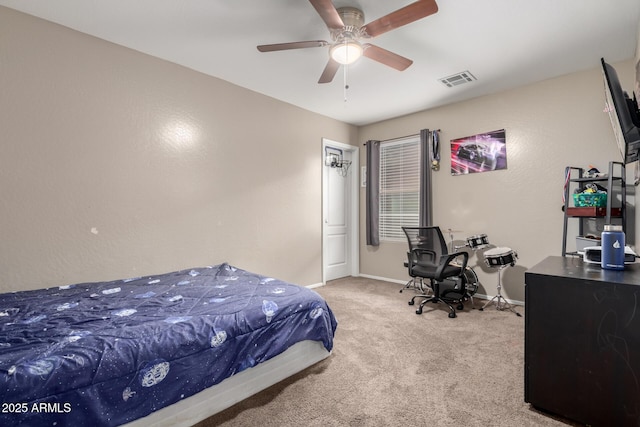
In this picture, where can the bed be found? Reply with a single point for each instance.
(170, 349)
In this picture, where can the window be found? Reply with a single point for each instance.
(399, 187)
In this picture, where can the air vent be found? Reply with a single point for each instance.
(458, 79)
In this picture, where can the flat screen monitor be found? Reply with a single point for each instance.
(624, 115)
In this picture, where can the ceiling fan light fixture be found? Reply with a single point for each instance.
(346, 52)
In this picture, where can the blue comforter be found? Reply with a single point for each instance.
(108, 353)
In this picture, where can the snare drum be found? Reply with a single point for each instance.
(499, 257)
(477, 241)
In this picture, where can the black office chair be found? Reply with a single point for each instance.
(429, 258)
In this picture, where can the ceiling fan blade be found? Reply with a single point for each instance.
(386, 57)
(328, 13)
(292, 45)
(403, 16)
(329, 71)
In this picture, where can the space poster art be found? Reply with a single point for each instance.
(479, 153)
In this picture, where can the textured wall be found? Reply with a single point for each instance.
(116, 164)
(549, 125)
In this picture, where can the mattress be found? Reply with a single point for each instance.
(108, 353)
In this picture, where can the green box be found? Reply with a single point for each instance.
(585, 200)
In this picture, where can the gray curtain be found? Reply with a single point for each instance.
(426, 214)
(373, 193)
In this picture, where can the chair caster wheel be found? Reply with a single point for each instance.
(411, 302)
(419, 311)
(452, 315)
(460, 307)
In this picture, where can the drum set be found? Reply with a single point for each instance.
(499, 257)
(469, 278)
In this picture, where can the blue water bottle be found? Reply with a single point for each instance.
(612, 247)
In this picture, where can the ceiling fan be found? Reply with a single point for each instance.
(346, 27)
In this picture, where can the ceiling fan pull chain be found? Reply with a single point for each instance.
(346, 86)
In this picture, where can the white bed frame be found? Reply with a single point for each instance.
(232, 390)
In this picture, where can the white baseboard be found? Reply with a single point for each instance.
(315, 285)
(384, 279)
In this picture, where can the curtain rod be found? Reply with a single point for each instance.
(401, 137)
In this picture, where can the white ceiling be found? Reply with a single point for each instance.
(503, 43)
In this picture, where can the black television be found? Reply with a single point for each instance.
(624, 115)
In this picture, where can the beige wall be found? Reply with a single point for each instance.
(116, 164)
(549, 125)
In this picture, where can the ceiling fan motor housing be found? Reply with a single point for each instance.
(353, 20)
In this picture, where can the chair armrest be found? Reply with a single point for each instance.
(447, 259)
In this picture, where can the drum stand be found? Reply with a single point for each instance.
(500, 305)
(417, 284)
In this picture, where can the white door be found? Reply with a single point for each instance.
(339, 222)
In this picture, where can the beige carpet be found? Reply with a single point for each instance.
(392, 367)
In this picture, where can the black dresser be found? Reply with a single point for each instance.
(582, 341)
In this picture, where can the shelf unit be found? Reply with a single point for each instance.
(613, 213)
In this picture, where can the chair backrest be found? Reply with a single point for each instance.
(429, 240)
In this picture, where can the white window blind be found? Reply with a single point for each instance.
(399, 187)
